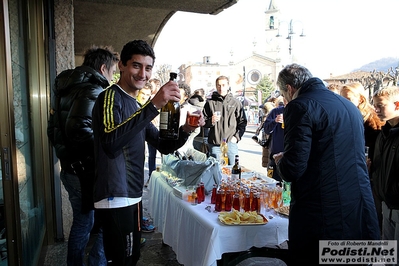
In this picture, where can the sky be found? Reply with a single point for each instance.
(341, 35)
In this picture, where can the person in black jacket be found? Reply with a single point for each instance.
(324, 159)
(69, 130)
(385, 161)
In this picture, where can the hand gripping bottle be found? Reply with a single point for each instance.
(170, 118)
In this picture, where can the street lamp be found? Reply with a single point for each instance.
(291, 32)
(254, 43)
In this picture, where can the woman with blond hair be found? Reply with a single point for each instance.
(356, 93)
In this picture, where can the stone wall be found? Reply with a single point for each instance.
(65, 59)
(64, 34)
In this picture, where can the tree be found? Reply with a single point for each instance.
(266, 86)
(115, 78)
(162, 73)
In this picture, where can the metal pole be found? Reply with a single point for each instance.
(243, 89)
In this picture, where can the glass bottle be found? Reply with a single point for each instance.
(255, 203)
(202, 187)
(236, 170)
(223, 195)
(218, 204)
(213, 197)
(169, 118)
(236, 201)
(223, 152)
(247, 202)
(199, 193)
(228, 204)
(258, 198)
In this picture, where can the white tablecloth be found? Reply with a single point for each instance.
(196, 236)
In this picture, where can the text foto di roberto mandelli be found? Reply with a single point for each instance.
(357, 242)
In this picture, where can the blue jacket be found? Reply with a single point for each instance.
(325, 162)
(275, 129)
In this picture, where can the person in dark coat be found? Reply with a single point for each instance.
(385, 166)
(273, 126)
(69, 131)
(324, 159)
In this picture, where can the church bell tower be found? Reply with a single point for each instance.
(273, 15)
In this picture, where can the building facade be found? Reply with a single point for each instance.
(243, 75)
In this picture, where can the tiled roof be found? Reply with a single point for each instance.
(351, 76)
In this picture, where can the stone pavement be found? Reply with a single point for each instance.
(154, 252)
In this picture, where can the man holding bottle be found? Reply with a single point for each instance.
(230, 124)
(121, 127)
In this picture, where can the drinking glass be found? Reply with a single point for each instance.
(271, 195)
(193, 116)
(218, 115)
(278, 197)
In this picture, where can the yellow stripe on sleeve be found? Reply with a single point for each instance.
(108, 110)
(108, 119)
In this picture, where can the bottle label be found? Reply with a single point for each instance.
(270, 171)
(164, 120)
(169, 124)
(225, 161)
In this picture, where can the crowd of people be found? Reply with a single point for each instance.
(314, 136)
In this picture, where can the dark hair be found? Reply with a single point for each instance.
(294, 75)
(200, 92)
(136, 47)
(95, 57)
(186, 88)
